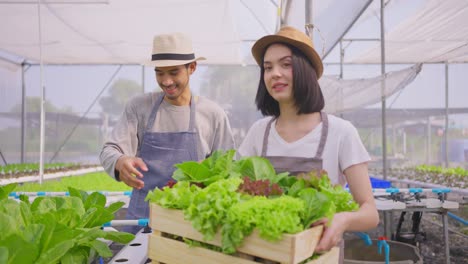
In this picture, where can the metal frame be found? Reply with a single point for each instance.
(444, 214)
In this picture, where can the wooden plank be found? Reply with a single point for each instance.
(304, 243)
(331, 257)
(172, 222)
(171, 251)
(291, 249)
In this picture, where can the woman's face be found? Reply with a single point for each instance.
(278, 76)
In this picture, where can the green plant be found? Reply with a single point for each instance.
(56, 229)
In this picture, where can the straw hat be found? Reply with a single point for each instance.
(293, 37)
(172, 50)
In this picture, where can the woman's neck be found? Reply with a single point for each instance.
(289, 115)
(292, 126)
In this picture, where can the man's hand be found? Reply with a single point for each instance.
(128, 171)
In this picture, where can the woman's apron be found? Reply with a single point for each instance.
(296, 165)
(160, 151)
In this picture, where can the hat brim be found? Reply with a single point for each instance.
(259, 48)
(168, 63)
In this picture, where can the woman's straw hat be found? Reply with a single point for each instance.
(293, 37)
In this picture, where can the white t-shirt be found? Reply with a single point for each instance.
(343, 147)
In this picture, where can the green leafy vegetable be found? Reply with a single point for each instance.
(55, 229)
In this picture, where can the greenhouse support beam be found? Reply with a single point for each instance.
(342, 54)
(3, 158)
(143, 79)
(309, 13)
(446, 157)
(428, 141)
(446, 238)
(9, 2)
(360, 39)
(382, 67)
(23, 110)
(388, 223)
(42, 88)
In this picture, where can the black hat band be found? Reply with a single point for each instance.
(172, 56)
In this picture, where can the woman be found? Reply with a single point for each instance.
(298, 137)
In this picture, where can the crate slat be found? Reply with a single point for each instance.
(167, 250)
(332, 256)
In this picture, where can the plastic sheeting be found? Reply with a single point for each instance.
(435, 32)
(120, 31)
(117, 31)
(344, 95)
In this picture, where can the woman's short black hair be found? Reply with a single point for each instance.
(307, 94)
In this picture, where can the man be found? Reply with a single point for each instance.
(160, 129)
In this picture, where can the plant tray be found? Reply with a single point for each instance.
(291, 249)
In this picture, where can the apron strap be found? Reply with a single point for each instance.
(154, 110)
(192, 114)
(323, 136)
(265, 137)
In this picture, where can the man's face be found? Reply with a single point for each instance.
(174, 80)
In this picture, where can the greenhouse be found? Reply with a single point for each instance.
(390, 140)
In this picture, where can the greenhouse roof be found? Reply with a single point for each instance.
(120, 31)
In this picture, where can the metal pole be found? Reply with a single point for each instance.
(387, 215)
(280, 21)
(393, 152)
(382, 65)
(341, 59)
(404, 141)
(309, 14)
(446, 237)
(3, 158)
(429, 141)
(23, 110)
(143, 79)
(446, 116)
(342, 53)
(42, 88)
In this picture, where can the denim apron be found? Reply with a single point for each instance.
(160, 151)
(297, 165)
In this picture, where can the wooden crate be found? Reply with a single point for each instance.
(291, 249)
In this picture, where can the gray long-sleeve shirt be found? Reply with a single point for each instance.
(212, 125)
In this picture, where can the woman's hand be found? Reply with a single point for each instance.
(332, 234)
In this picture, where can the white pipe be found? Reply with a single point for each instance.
(50, 175)
(405, 190)
(429, 185)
